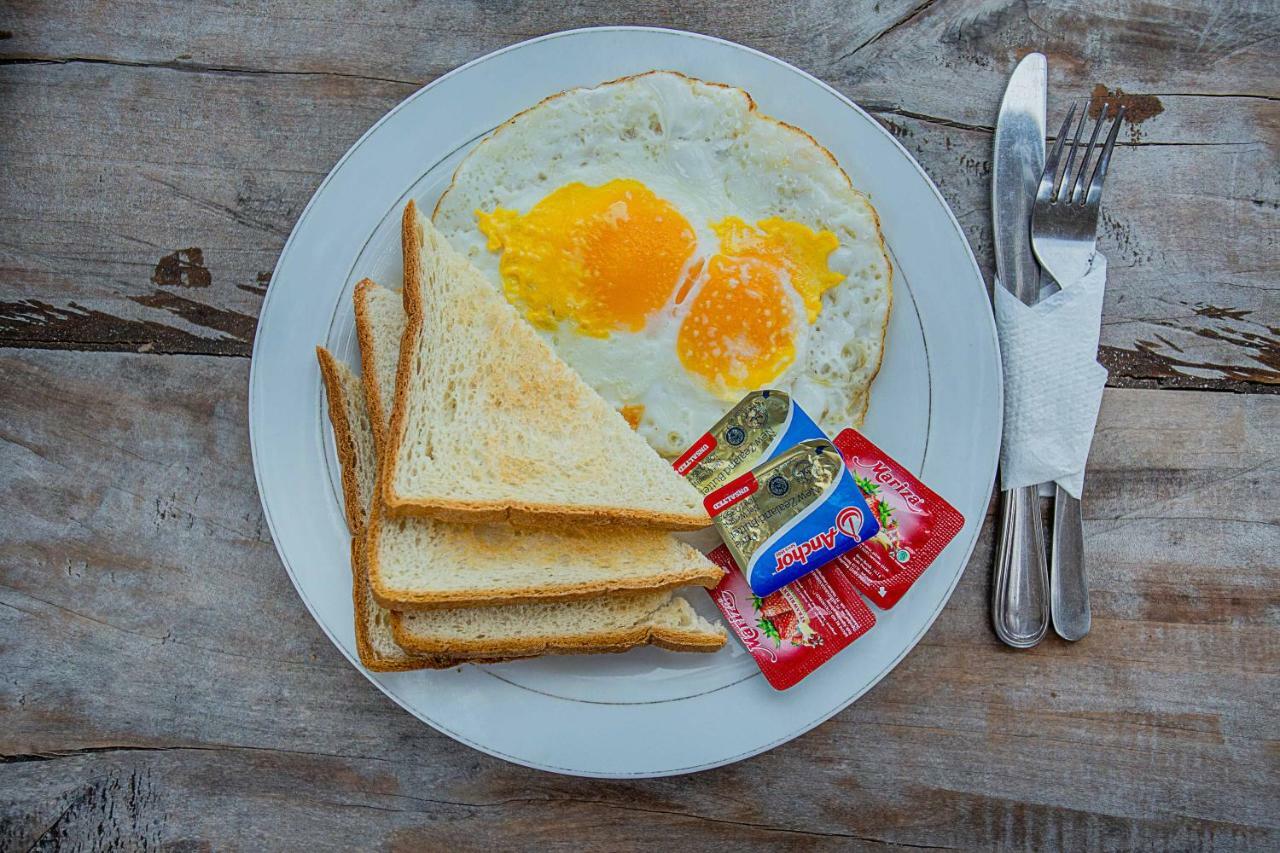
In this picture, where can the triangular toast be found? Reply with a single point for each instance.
(445, 638)
(353, 436)
(490, 425)
(423, 563)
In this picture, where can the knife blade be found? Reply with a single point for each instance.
(1019, 160)
(1020, 588)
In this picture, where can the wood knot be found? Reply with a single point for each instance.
(183, 268)
(1137, 108)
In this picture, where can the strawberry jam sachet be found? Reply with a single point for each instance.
(915, 523)
(797, 629)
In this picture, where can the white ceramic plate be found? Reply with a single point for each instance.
(936, 406)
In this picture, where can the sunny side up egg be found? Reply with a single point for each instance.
(678, 249)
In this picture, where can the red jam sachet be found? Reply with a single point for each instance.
(915, 524)
(797, 629)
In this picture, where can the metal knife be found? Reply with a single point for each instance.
(1020, 588)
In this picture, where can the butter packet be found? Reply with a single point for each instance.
(761, 425)
(791, 515)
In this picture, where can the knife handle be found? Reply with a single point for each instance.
(1020, 592)
(1069, 589)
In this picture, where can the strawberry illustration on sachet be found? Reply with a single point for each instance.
(888, 536)
(793, 631)
(784, 618)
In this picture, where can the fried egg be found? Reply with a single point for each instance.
(678, 248)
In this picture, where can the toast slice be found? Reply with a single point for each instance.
(418, 563)
(380, 323)
(483, 634)
(354, 437)
(490, 425)
(650, 617)
(610, 624)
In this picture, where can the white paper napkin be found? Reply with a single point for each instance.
(1052, 381)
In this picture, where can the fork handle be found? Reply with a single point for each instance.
(1069, 589)
(1020, 591)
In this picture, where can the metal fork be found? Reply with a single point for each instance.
(1064, 237)
(1064, 219)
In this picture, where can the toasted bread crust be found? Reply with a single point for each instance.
(603, 642)
(478, 512)
(343, 439)
(705, 576)
(685, 641)
(372, 393)
(411, 246)
(524, 514)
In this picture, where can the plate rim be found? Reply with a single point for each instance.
(376, 678)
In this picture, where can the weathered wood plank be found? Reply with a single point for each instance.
(162, 682)
(1194, 313)
(883, 50)
(404, 40)
(215, 143)
(146, 208)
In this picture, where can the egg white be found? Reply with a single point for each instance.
(705, 149)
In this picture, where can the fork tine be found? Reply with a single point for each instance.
(1078, 187)
(1095, 186)
(1067, 177)
(1050, 176)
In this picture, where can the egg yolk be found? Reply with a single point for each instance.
(739, 332)
(604, 258)
(797, 249)
(634, 413)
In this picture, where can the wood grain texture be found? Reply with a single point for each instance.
(163, 151)
(162, 684)
(158, 229)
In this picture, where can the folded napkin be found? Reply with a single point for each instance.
(1052, 381)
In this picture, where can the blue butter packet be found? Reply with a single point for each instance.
(762, 425)
(791, 515)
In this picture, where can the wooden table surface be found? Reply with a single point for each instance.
(161, 682)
